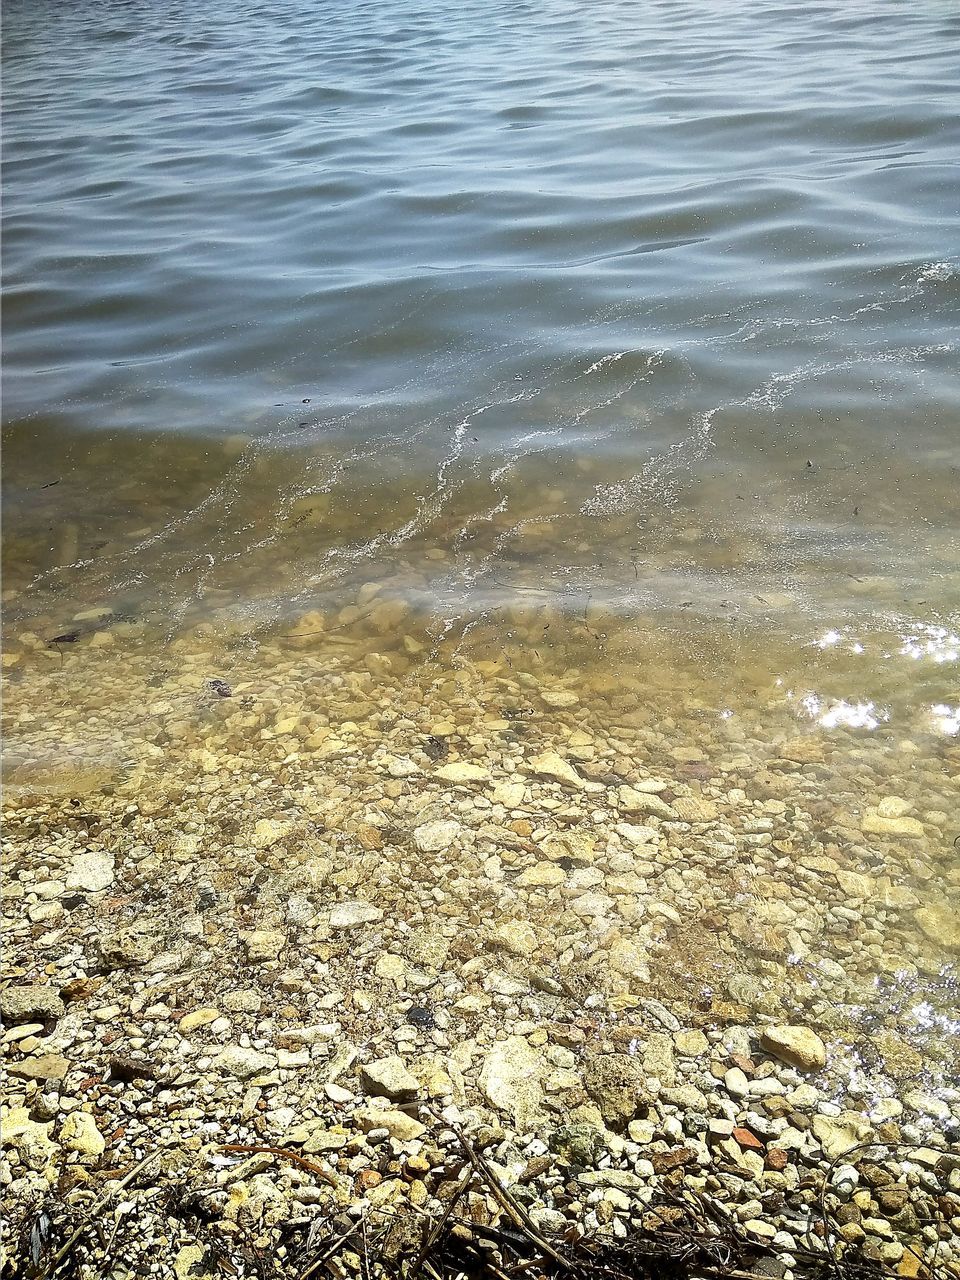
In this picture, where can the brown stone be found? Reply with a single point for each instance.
(776, 1159)
(910, 1264)
(369, 837)
(749, 1141)
(664, 1161)
(368, 1178)
(48, 1066)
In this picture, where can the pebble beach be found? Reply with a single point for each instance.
(280, 921)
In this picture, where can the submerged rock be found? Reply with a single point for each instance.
(511, 1081)
(798, 1046)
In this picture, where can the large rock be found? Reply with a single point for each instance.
(19, 1005)
(463, 772)
(630, 800)
(798, 1046)
(46, 1066)
(397, 1123)
(262, 945)
(876, 823)
(30, 1138)
(268, 832)
(389, 1078)
(840, 1134)
(941, 924)
(511, 1081)
(128, 948)
(617, 1084)
(348, 915)
(80, 1133)
(576, 844)
(91, 872)
(552, 766)
(237, 1060)
(434, 837)
(658, 1059)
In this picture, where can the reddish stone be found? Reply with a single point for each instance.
(368, 1178)
(777, 1159)
(746, 1065)
(664, 1161)
(747, 1139)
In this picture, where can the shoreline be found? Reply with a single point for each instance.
(566, 918)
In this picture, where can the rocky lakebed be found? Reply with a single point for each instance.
(281, 932)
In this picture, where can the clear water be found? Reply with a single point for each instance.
(612, 344)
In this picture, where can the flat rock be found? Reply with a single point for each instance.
(47, 1066)
(559, 697)
(348, 915)
(616, 1082)
(433, 837)
(695, 809)
(576, 845)
(553, 766)
(463, 773)
(91, 872)
(516, 936)
(198, 1018)
(510, 1080)
(632, 800)
(129, 948)
(389, 1078)
(262, 945)
(875, 824)
(397, 1123)
(839, 1134)
(268, 832)
(34, 1003)
(941, 924)
(242, 1062)
(658, 1059)
(79, 1133)
(543, 875)
(30, 1138)
(798, 1046)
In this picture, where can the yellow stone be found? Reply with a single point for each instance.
(199, 1018)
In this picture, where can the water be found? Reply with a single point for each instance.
(604, 349)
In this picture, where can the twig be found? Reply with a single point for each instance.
(513, 1210)
(64, 1249)
(284, 1155)
(433, 1235)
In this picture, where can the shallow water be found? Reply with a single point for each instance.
(607, 346)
